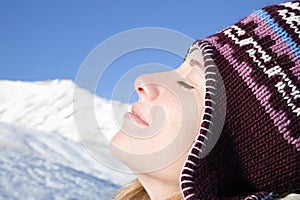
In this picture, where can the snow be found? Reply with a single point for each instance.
(41, 153)
(48, 106)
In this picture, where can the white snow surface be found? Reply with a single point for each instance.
(47, 106)
(41, 154)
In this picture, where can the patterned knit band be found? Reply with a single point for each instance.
(257, 155)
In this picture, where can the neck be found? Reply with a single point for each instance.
(158, 189)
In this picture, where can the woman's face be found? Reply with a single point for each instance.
(158, 132)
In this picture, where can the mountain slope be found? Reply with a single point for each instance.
(41, 155)
(36, 165)
(48, 106)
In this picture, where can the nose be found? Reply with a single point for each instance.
(147, 87)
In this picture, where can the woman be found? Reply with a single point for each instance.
(226, 123)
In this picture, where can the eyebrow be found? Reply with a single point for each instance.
(194, 62)
(196, 65)
(184, 84)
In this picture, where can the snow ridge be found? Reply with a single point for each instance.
(48, 106)
(41, 155)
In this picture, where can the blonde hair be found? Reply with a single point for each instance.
(292, 196)
(136, 191)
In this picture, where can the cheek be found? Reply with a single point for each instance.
(172, 124)
(185, 118)
(182, 122)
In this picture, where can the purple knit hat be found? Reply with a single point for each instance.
(257, 155)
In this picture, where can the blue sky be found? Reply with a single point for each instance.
(49, 39)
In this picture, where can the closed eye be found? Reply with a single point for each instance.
(185, 85)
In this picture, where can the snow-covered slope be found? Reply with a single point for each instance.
(41, 155)
(35, 165)
(48, 106)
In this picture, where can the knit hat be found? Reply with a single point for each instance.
(257, 155)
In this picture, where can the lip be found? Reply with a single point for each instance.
(136, 115)
(135, 118)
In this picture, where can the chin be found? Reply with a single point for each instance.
(115, 144)
(121, 146)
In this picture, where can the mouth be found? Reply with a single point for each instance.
(136, 116)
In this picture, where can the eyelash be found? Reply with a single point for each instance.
(185, 85)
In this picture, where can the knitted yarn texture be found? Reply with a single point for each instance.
(258, 153)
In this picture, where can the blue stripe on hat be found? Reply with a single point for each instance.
(279, 31)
